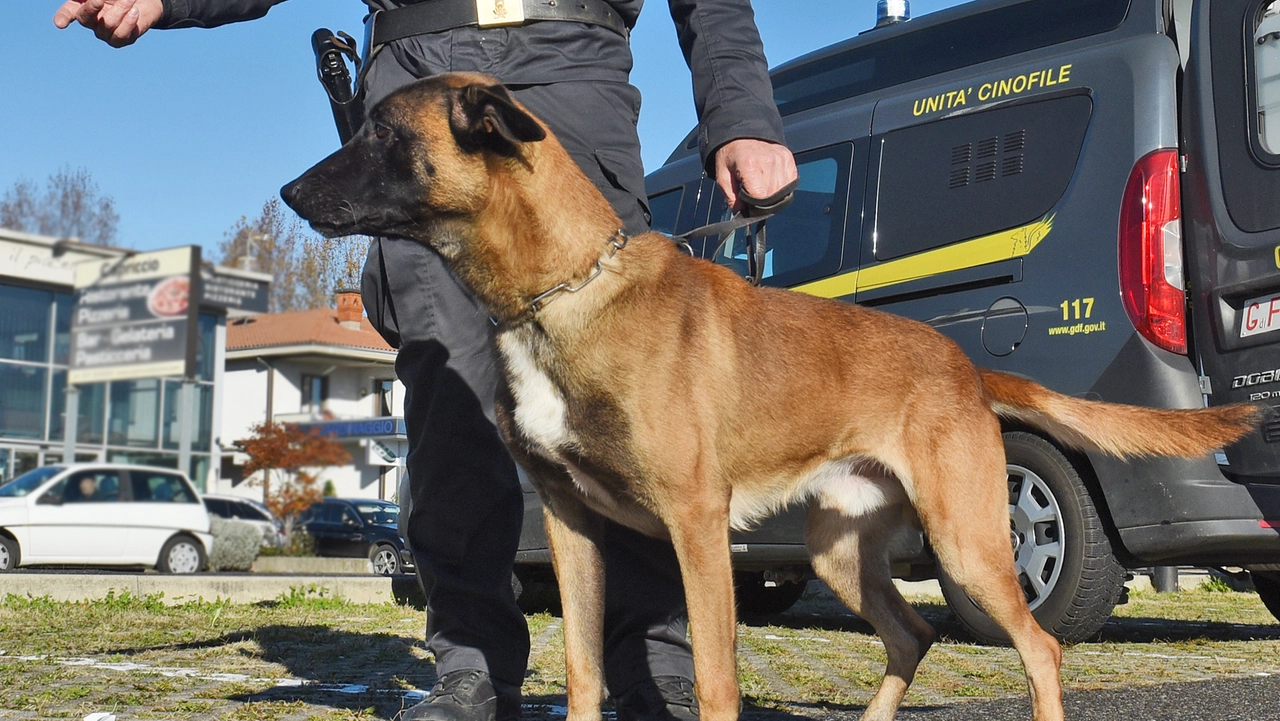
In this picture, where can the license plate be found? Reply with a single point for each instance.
(492, 13)
(1260, 315)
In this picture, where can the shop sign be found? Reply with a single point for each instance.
(133, 317)
(384, 454)
(384, 427)
(232, 292)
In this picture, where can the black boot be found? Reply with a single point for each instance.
(465, 695)
(664, 698)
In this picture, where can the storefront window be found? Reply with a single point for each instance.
(92, 410)
(24, 323)
(135, 413)
(22, 397)
(163, 460)
(24, 461)
(62, 327)
(199, 472)
(203, 398)
(207, 341)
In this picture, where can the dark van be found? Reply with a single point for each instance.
(1084, 192)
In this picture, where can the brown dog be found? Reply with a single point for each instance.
(665, 393)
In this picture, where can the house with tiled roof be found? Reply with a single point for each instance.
(325, 369)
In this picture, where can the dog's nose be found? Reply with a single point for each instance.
(291, 193)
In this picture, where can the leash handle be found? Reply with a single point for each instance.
(753, 218)
(771, 205)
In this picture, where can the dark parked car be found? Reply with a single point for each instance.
(357, 528)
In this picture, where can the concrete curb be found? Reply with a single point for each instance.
(246, 588)
(358, 588)
(311, 565)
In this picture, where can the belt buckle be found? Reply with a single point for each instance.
(496, 13)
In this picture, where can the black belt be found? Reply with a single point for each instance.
(435, 16)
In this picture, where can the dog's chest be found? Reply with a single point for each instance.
(540, 410)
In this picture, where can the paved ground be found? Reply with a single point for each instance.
(1188, 657)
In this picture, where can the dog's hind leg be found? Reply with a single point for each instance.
(962, 499)
(850, 554)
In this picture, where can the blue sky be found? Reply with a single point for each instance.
(191, 129)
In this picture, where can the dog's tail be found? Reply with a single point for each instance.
(1116, 429)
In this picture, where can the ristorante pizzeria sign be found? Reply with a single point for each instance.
(135, 317)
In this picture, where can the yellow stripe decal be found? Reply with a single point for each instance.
(992, 248)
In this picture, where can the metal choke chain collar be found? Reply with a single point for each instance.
(617, 242)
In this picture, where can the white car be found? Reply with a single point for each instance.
(247, 510)
(103, 515)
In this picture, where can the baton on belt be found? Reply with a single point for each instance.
(332, 52)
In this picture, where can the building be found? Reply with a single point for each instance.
(134, 421)
(327, 370)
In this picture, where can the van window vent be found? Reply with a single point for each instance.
(1015, 141)
(988, 147)
(961, 153)
(1011, 165)
(959, 178)
(985, 171)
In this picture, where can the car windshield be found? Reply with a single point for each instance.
(28, 482)
(377, 513)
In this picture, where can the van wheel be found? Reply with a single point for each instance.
(1063, 558)
(385, 559)
(756, 599)
(181, 554)
(9, 554)
(1267, 584)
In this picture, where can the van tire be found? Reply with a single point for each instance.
(182, 554)
(1089, 582)
(1267, 584)
(10, 556)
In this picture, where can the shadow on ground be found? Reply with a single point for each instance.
(821, 615)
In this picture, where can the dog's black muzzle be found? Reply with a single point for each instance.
(364, 188)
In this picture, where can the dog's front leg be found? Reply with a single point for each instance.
(700, 532)
(573, 532)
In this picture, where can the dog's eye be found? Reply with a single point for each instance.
(381, 131)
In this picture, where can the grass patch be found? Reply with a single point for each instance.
(141, 658)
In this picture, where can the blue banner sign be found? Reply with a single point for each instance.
(360, 428)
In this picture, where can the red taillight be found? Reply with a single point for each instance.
(1151, 281)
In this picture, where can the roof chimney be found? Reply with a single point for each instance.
(350, 308)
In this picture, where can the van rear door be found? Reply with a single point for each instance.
(1231, 212)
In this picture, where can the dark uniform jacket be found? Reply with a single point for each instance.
(721, 44)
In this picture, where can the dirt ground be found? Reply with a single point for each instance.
(305, 656)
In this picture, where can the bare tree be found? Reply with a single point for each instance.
(69, 206)
(306, 267)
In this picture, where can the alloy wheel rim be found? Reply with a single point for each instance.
(1035, 521)
(184, 558)
(5, 558)
(384, 563)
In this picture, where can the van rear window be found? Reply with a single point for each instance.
(943, 47)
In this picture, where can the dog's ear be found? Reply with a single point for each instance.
(487, 118)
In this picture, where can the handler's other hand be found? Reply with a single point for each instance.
(758, 167)
(116, 22)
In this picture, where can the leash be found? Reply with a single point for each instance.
(753, 218)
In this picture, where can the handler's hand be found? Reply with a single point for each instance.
(116, 22)
(758, 167)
